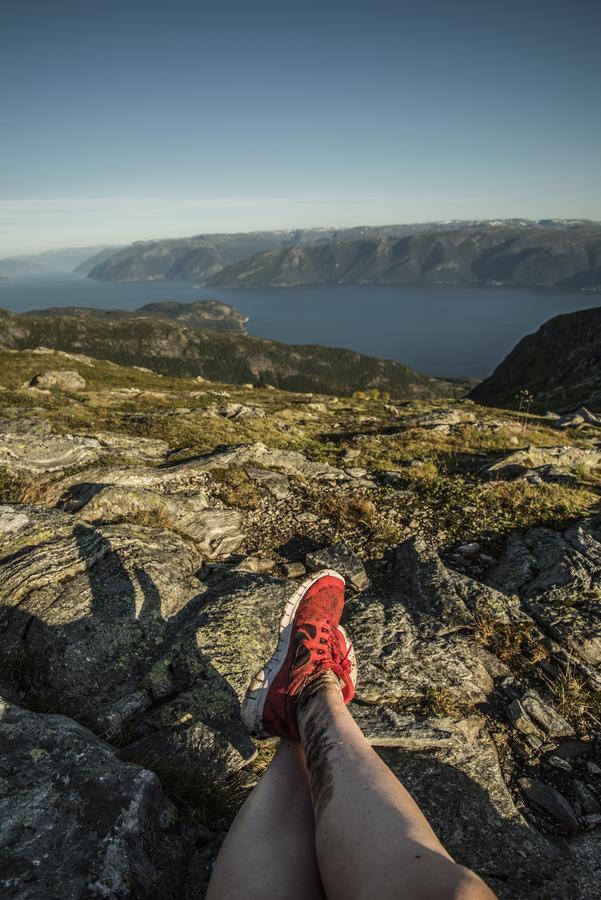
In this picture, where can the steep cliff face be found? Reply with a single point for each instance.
(559, 365)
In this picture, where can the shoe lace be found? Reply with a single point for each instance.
(340, 663)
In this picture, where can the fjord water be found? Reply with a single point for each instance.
(439, 330)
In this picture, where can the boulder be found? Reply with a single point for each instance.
(59, 380)
(76, 822)
(341, 558)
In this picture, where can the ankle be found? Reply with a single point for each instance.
(325, 688)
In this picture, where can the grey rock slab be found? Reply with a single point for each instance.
(271, 483)
(188, 475)
(290, 462)
(58, 379)
(437, 419)
(565, 458)
(342, 559)
(559, 564)
(76, 822)
(401, 661)
(217, 532)
(558, 578)
(550, 801)
(138, 449)
(548, 720)
(581, 416)
(419, 640)
(585, 851)
(430, 590)
(385, 727)
(576, 628)
(461, 790)
(588, 801)
(31, 445)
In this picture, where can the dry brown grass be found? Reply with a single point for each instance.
(345, 511)
(23, 488)
(441, 701)
(236, 488)
(573, 699)
(155, 517)
(515, 644)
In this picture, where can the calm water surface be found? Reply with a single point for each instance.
(439, 330)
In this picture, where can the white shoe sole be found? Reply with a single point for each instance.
(256, 694)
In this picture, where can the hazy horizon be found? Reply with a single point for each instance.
(311, 227)
(148, 120)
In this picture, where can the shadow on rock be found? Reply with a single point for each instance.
(112, 627)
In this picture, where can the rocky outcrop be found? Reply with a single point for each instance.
(60, 379)
(32, 446)
(552, 464)
(142, 603)
(76, 822)
(558, 577)
(559, 366)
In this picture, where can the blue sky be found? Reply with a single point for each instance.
(125, 121)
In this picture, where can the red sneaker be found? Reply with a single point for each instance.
(311, 642)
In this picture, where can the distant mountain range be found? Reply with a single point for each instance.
(537, 257)
(165, 346)
(559, 365)
(13, 267)
(521, 251)
(65, 259)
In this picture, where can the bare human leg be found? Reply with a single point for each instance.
(372, 839)
(269, 852)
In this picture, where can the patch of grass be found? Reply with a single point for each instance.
(515, 644)
(441, 701)
(155, 517)
(462, 507)
(573, 699)
(236, 488)
(23, 488)
(353, 510)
